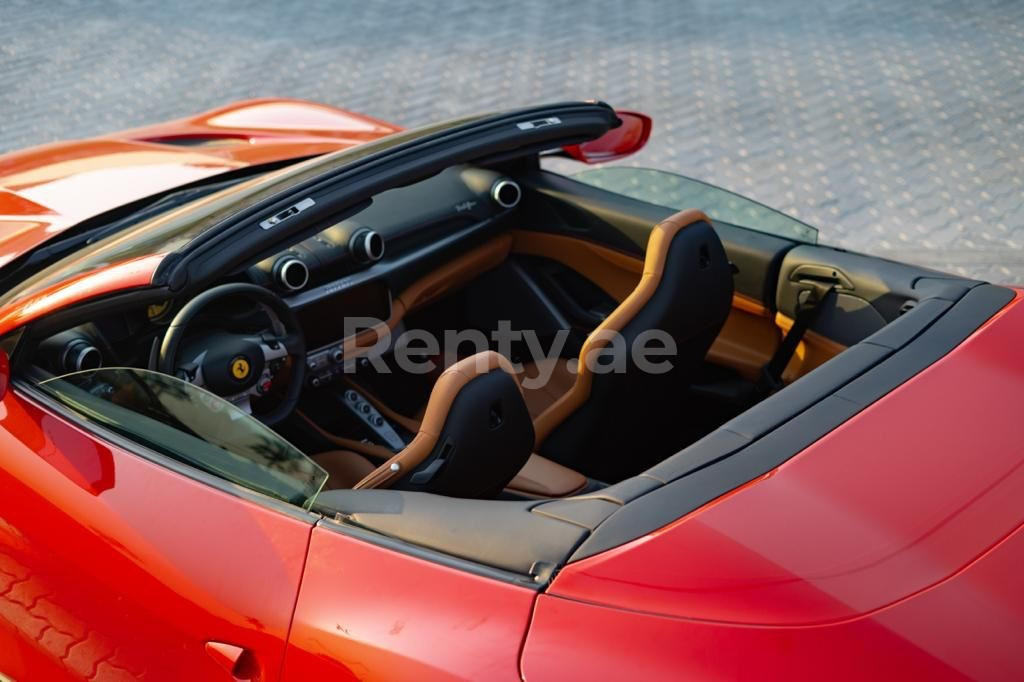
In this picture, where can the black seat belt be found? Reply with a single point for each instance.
(807, 312)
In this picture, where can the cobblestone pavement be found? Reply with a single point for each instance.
(894, 125)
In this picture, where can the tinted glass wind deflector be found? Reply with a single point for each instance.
(193, 426)
(680, 192)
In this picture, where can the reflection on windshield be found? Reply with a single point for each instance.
(193, 426)
(168, 232)
(679, 192)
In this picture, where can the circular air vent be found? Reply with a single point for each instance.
(506, 193)
(291, 273)
(367, 246)
(81, 355)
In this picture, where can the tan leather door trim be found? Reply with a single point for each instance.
(446, 279)
(812, 351)
(746, 343)
(540, 477)
(614, 272)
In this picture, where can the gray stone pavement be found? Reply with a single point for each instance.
(895, 126)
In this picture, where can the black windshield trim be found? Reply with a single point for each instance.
(358, 175)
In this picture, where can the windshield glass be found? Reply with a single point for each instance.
(192, 426)
(167, 232)
(679, 192)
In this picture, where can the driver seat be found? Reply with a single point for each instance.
(476, 435)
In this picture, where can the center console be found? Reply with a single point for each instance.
(380, 428)
(328, 322)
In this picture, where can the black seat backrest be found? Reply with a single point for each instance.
(685, 292)
(475, 436)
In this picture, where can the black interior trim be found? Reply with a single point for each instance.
(870, 292)
(502, 534)
(379, 166)
(346, 526)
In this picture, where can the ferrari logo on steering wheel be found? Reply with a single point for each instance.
(240, 368)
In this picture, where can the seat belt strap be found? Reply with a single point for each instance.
(807, 312)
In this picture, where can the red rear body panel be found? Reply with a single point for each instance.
(894, 538)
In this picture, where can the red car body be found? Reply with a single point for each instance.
(891, 547)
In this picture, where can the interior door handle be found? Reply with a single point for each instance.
(238, 661)
(809, 272)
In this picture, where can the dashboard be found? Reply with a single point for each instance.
(344, 280)
(349, 272)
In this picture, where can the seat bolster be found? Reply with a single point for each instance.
(447, 388)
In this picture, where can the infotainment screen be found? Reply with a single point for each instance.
(323, 321)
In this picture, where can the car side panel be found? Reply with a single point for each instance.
(893, 501)
(115, 568)
(367, 612)
(967, 627)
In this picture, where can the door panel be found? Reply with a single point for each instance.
(747, 340)
(813, 350)
(367, 612)
(615, 272)
(561, 205)
(870, 292)
(113, 567)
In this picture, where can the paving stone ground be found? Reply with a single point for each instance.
(896, 126)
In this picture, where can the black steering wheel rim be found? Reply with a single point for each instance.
(169, 347)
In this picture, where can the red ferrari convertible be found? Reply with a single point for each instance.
(289, 393)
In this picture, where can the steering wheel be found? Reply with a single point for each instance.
(238, 366)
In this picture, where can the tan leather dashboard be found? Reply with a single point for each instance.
(451, 276)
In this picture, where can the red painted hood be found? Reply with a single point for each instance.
(46, 189)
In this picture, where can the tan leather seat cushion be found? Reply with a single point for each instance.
(561, 380)
(540, 477)
(344, 468)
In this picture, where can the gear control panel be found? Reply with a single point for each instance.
(359, 406)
